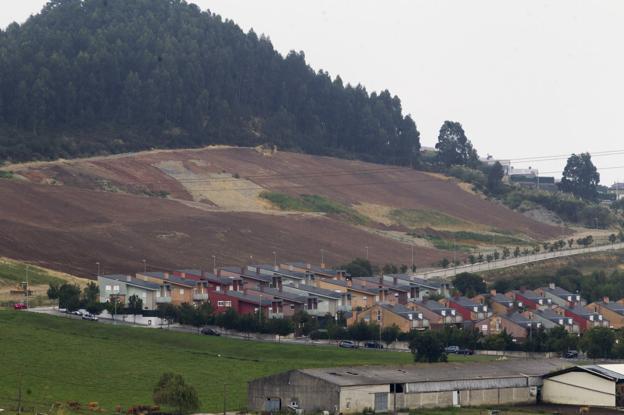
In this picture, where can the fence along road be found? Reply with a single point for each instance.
(511, 262)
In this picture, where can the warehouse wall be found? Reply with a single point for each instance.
(312, 394)
(357, 398)
(474, 397)
(579, 388)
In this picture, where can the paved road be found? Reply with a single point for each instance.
(511, 262)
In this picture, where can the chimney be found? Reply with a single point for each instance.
(257, 270)
(605, 300)
(308, 266)
(349, 283)
(242, 270)
(551, 285)
(128, 278)
(218, 272)
(492, 292)
(275, 267)
(395, 280)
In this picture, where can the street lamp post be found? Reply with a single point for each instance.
(367, 253)
(214, 264)
(322, 258)
(145, 265)
(98, 268)
(274, 259)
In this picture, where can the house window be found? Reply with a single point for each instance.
(484, 327)
(218, 288)
(364, 298)
(228, 303)
(292, 306)
(144, 294)
(116, 288)
(220, 303)
(108, 288)
(181, 291)
(157, 294)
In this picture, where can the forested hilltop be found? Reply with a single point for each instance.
(108, 76)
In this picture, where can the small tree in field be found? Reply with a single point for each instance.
(427, 347)
(135, 305)
(390, 334)
(172, 391)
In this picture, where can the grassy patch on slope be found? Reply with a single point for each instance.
(61, 359)
(314, 203)
(13, 272)
(414, 218)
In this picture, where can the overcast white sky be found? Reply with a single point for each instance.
(526, 78)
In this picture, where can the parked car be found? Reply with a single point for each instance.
(571, 354)
(347, 344)
(209, 332)
(62, 310)
(90, 317)
(458, 350)
(373, 345)
(77, 313)
(20, 306)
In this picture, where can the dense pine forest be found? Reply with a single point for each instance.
(89, 77)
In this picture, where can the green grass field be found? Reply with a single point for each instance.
(13, 272)
(59, 359)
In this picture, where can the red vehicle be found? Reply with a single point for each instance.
(19, 306)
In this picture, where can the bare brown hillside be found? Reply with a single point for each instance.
(70, 229)
(178, 208)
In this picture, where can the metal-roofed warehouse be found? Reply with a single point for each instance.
(591, 385)
(352, 389)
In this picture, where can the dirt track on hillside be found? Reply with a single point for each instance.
(70, 229)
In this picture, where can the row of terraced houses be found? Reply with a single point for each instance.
(278, 291)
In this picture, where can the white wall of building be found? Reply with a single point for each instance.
(579, 388)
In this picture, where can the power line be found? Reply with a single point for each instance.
(565, 156)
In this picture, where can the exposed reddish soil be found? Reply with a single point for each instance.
(346, 181)
(70, 229)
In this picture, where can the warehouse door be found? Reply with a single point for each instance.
(455, 398)
(381, 402)
(273, 405)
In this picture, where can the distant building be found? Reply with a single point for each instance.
(350, 390)
(589, 385)
(120, 288)
(387, 315)
(618, 190)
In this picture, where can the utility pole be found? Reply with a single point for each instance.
(27, 269)
(366, 253)
(224, 397)
(214, 264)
(274, 260)
(322, 258)
(145, 265)
(98, 268)
(412, 269)
(19, 394)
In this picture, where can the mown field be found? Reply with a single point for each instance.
(58, 359)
